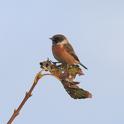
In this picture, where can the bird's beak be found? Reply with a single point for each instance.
(51, 38)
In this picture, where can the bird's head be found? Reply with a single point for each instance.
(58, 38)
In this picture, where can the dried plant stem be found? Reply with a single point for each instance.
(27, 96)
(64, 74)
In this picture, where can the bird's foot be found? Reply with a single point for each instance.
(55, 63)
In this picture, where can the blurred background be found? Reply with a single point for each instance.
(96, 31)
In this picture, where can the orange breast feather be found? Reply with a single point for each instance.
(62, 55)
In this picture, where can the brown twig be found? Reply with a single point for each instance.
(27, 96)
(65, 75)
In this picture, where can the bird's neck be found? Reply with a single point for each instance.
(63, 42)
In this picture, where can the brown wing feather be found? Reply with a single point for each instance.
(70, 50)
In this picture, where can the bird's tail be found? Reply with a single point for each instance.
(83, 66)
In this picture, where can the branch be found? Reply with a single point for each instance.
(27, 96)
(65, 74)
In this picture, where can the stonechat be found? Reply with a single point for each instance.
(63, 50)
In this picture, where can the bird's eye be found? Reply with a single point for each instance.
(56, 41)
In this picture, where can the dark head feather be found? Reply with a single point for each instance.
(57, 38)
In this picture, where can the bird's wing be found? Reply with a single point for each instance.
(70, 50)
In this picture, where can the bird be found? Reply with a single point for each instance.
(63, 51)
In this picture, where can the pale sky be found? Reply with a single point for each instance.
(95, 28)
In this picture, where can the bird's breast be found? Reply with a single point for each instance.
(62, 55)
(57, 51)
